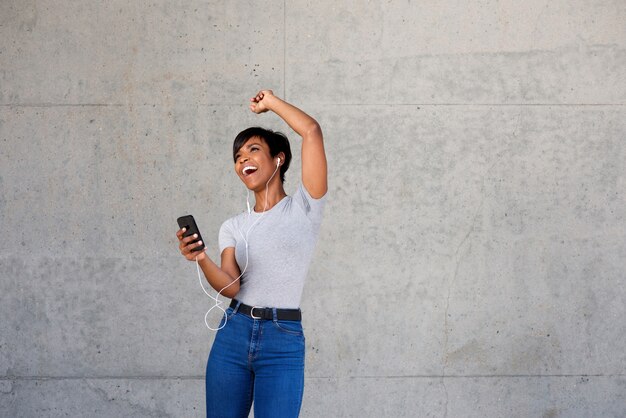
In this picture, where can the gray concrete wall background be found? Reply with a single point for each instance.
(472, 254)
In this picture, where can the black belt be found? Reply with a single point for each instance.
(267, 313)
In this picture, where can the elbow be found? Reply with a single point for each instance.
(229, 295)
(232, 291)
(313, 129)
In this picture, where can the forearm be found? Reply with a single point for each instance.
(218, 278)
(303, 124)
(314, 170)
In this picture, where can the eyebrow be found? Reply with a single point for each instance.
(253, 143)
(248, 146)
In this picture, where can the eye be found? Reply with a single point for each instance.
(252, 149)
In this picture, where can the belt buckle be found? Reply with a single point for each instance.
(252, 312)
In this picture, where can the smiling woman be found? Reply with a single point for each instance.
(259, 139)
(258, 352)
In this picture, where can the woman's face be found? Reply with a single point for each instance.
(254, 164)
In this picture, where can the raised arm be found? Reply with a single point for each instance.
(314, 166)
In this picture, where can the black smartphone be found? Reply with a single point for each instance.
(189, 223)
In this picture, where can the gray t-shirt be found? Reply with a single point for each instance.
(280, 247)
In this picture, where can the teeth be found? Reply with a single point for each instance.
(249, 169)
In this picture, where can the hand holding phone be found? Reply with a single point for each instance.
(188, 223)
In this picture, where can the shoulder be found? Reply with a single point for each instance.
(232, 222)
(227, 236)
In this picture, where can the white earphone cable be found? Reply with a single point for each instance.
(218, 303)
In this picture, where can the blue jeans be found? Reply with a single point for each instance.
(255, 360)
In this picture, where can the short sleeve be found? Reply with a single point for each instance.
(226, 237)
(313, 208)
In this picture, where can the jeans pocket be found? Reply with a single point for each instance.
(225, 318)
(289, 327)
(229, 312)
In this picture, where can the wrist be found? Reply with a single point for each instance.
(201, 257)
(270, 101)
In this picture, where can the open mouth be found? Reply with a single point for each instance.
(249, 169)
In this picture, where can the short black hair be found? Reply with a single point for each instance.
(276, 141)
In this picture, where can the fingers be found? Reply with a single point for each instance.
(186, 240)
(256, 102)
(199, 255)
(257, 108)
(261, 95)
(191, 255)
(188, 248)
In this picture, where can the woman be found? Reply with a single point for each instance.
(258, 353)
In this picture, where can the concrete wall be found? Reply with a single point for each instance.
(471, 261)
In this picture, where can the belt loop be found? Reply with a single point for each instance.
(236, 307)
(274, 315)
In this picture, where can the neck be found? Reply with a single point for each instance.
(274, 193)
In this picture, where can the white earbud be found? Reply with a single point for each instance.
(278, 163)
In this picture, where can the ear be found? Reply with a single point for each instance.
(281, 155)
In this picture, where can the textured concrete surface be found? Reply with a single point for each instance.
(471, 261)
